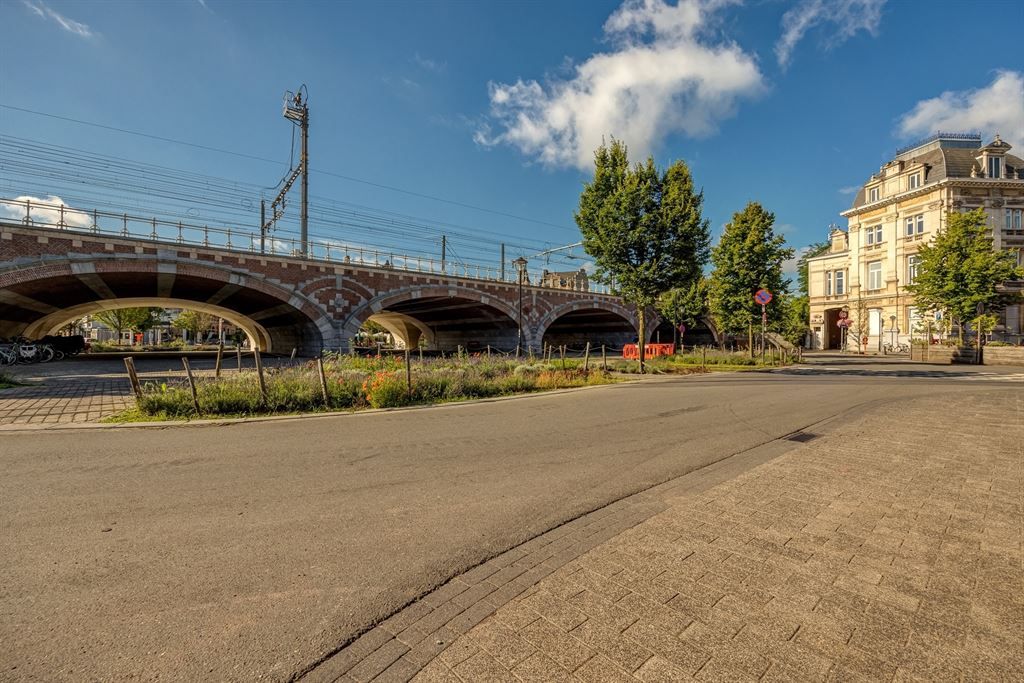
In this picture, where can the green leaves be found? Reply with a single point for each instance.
(748, 257)
(644, 229)
(960, 269)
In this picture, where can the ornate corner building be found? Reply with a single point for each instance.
(869, 265)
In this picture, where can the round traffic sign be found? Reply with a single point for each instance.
(763, 296)
(843, 315)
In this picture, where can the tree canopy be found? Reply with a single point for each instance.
(644, 228)
(194, 322)
(959, 270)
(130, 319)
(748, 257)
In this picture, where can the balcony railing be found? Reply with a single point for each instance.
(65, 218)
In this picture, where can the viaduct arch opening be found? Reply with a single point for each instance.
(44, 299)
(595, 325)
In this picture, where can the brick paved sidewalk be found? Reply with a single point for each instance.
(889, 550)
(64, 402)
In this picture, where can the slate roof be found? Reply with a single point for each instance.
(949, 162)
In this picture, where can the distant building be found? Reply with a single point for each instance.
(896, 211)
(574, 280)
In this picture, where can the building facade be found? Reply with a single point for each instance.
(574, 280)
(868, 266)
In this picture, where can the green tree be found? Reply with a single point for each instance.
(747, 258)
(122, 320)
(643, 228)
(684, 304)
(194, 322)
(960, 270)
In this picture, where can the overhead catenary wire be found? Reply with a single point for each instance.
(82, 177)
(253, 157)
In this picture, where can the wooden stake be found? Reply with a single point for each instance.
(220, 357)
(191, 384)
(238, 352)
(586, 358)
(293, 353)
(704, 358)
(561, 352)
(259, 373)
(408, 371)
(604, 358)
(323, 381)
(133, 377)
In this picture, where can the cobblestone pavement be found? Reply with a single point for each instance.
(889, 550)
(62, 402)
(83, 390)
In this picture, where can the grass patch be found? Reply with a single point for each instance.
(355, 383)
(7, 381)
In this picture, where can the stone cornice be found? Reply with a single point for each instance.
(928, 189)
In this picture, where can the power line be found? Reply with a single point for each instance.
(252, 157)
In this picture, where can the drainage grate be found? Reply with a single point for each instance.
(801, 437)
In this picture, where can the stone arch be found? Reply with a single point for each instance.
(415, 303)
(593, 315)
(34, 299)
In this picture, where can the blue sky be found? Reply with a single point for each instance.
(498, 104)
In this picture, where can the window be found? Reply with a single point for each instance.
(995, 167)
(874, 234)
(912, 264)
(828, 283)
(840, 282)
(1014, 219)
(914, 223)
(873, 194)
(914, 181)
(875, 275)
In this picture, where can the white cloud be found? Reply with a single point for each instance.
(41, 9)
(45, 211)
(664, 75)
(844, 17)
(996, 108)
(849, 189)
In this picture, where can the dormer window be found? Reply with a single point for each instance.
(995, 167)
(914, 181)
(873, 194)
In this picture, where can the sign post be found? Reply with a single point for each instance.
(763, 297)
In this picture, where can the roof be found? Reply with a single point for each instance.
(942, 162)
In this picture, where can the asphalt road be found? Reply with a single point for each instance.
(248, 551)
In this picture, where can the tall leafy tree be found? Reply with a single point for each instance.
(194, 322)
(122, 320)
(797, 306)
(960, 270)
(644, 228)
(747, 258)
(684, 304)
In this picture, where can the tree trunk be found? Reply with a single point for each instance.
(640, 339)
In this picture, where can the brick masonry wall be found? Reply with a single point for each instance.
(336, 298)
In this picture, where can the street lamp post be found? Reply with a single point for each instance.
(520, 264)
(892, 332)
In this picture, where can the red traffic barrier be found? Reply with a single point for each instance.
(632, 351)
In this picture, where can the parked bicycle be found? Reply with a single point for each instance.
(897, 348)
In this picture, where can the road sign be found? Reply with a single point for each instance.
(844, 322)
(682, 329)
(763, 296)
(843, 315)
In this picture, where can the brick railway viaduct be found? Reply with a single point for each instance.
(50, 276)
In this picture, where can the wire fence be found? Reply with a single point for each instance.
(96, 221)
